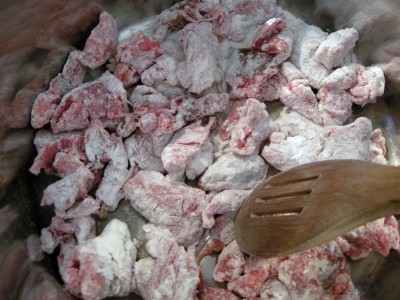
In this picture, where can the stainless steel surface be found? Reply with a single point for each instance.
(34, 41)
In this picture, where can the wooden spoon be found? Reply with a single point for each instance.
(314, 203)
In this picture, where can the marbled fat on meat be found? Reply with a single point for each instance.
(170, 272)
(173, 205)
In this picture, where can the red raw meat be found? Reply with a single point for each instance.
(309, 274)
(49, 144)
(127, 126)
(104, 99)
(46, 103)
(377, 149)
(189, 152)
(102, 42)
(274, 38)
(173, 205)
(253, 128)
(134, 56)
(67, 231)
(170, 272)
(140, 150)
(66, 163)
(217, 293)
(251, 74)
(95, 270)
(230, 263)
(333, 50)
(201, 69)
(66, 191)
(381, 235)
(222, 203)
(232, 171)
(232, 119)
(297, 94)
(347, 142)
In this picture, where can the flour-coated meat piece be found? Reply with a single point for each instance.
(170, 272)
(370, 84)
(162, 72)
(251, 74)
(66, 163)
(201, 68)
(127, 126)
(173, 205)
(221, 203)
(134, 56)
(104, 99)
(101, 43)
(381, 235)
(224, 228)
(297, 94)
(307, 274)
(297, 141)
(232, 171)
(101, 267)
(231, 120)
(145, 99)
(273, 289)
(140, 151)
(46, 103)
(274, 38)
(377, 147)
(347, 142)
(253, 128)
(66, 191)
(86, 207)
(230, 263)
(191, 109)
(218, 293)
(335, 106)
(61, 231)
(306, 40)
(49, 144)
(247, 16)
(179, 156)
(160, 139)
(332, 51)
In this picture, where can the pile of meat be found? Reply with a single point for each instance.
(178, 125)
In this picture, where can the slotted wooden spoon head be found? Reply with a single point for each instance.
(314, 203)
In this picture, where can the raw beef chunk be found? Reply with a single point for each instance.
(273, 289)
(102, 42)
(48, 145)
(86, 207)
(232, 171)
(190, 152)
(140, 150)
(251, 75)
(230, 263)
(104, 99)
(221, 203)
(274, 38)
(101, 267)
(252, 129)
(247, 16)
(377, 148)
(297, 141)
(65, 192)
(67, 231)
(169, 204)
(200, 70)
(347, 142)
(381, 235)
(46, 103)
(217, 293)
(135, 55)
(316, 271)
(297, 94)
(170, 272)
(162, 72)
(66, 163)
(333, 50)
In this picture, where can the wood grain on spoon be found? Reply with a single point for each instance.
(314, 203)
